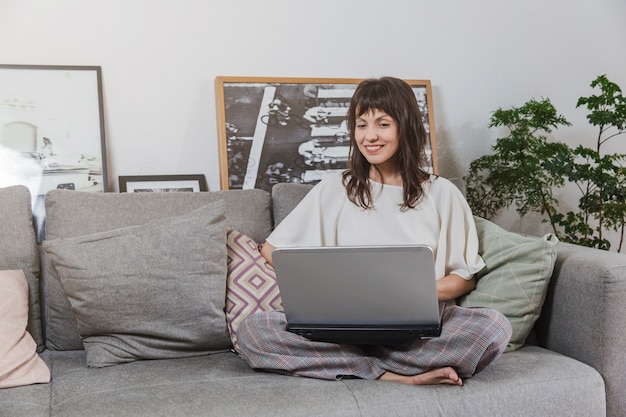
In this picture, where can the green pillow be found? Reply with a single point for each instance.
(515, 278)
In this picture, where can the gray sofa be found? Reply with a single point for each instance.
(576, 366)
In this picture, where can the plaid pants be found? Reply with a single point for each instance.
(471, 339)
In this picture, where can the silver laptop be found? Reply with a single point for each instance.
(359, 294)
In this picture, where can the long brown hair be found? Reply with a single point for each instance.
(396, 98)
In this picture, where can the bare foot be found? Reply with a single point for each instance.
(445, 375)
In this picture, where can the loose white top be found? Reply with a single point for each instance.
(442, 220)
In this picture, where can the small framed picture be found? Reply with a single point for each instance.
(162, 183)
(273, 130)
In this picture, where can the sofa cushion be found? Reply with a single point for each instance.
(528, 382)
(515, 278)
(19, 362)
(285, 197)
(152, 291)
(71, 214)
(251, 285)
(18, 248)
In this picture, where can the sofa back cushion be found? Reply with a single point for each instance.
(74, 214)
(285, 197)
(18, 249)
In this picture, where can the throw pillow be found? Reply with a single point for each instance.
(515, 278)
(251, 285)
(19, 362)
(153, 291)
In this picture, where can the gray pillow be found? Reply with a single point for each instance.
(153, 291)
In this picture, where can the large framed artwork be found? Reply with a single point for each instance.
(52, 130)
(274, 130)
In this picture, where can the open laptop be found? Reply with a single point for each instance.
(359, 294)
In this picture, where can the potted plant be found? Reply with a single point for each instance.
(526, 168)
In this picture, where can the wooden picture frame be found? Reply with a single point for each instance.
(162, 183)
(274, 130)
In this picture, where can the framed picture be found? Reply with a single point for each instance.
(52, 130)
(275, 130)
(162, 183)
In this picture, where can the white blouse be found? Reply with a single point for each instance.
(442, 220)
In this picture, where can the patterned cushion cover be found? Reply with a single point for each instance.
(251, 285)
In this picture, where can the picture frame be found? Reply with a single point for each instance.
(162, 183)
(273, 129)
(52, 132)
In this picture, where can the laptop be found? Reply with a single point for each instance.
(383, 295)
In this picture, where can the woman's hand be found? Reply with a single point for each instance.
(266, 251)
(453, 286)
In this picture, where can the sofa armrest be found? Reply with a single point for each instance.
(584, 316)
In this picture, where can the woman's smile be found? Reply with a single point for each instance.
(373, 148)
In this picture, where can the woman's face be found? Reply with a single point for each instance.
(376, 135)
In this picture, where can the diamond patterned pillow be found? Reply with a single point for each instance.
(251, 285)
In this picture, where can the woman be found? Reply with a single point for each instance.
(385, 197)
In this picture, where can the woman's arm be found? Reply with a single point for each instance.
(266, 251)
(453, 286)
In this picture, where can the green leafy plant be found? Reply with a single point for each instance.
(526, 168)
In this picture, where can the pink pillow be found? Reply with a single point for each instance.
(19, 362)
(251, 283)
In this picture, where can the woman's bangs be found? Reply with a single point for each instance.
(374, 99)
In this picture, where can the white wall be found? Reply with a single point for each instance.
(160, 58)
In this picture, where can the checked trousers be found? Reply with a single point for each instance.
(471, 339)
